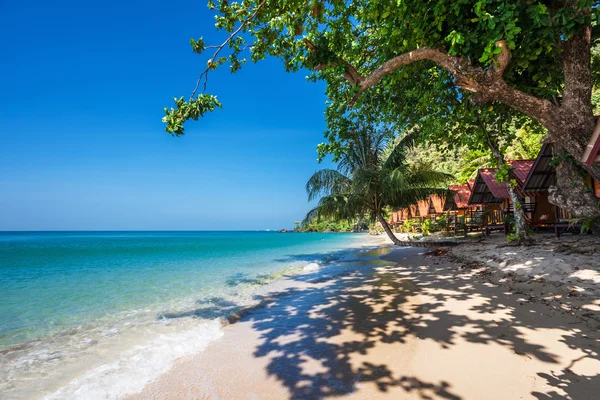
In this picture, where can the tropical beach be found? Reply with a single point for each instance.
(410, 326)
(356, 316)
(300, 200)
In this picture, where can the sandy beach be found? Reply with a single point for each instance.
(410, 327)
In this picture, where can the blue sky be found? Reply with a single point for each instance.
(82, 145)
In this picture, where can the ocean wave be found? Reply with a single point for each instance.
(138, 366)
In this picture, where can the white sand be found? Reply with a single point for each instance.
(573, 261)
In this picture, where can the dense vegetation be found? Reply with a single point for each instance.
(332, 225)
(463, 162)
(466, 76)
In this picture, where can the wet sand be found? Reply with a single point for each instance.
(412, 327)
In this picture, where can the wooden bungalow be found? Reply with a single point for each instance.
(494, 197)
(426, 209)
(592, 150)
(459, 200)
(540, 178)
(438, 204)
(398, 217)
(413, 212)
(457, 206)
(535, 188)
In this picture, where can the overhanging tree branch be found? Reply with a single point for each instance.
(487, 84)
(220, 47)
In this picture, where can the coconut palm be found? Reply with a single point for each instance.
(372, 175)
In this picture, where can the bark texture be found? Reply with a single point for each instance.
(571, 193)
(388, 230)
(521, 226)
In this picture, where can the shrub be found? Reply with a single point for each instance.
(442, 222)
(426, 227)
(407, 226)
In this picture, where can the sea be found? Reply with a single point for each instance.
(98, 315)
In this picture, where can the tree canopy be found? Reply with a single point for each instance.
(418, 64)
(356, 45)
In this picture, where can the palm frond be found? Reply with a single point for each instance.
(426, 176)
(412, 196)
(395, 155)
(326, 182)
(339, 207)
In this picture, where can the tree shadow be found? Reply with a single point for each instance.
(315, 337)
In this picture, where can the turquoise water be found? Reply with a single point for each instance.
(68, 295)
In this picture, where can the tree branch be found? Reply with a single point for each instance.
(487, 84)
(350, 74)
(221, 46)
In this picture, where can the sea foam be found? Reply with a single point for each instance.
(140, 365)
(311, 267)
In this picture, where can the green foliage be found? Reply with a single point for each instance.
(308, 34)
(588, 224)
(443, 223)
(462, 141)
(595, 53)
(185, 110)
(525, 143)
(503, 173)
(459, 162)
(513, 237)
(426, 227)
(408, 226)
(328, 225)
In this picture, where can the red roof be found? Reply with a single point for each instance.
(461, 197)
(500, 190)
(590, 153)
(423, 207)
(414, 211)
(438, 203)
(521, 169)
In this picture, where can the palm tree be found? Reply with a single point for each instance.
(371, 175)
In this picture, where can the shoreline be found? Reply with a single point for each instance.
(407, 326)
(99, 361)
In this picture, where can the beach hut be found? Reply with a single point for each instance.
(590, 154)
(399, 216)
(458, 201)
(437, 204)
(494, 197)
(538, 180)
(457, 206)
(425, 209)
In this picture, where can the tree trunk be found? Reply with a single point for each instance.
(387, 229)
(571, 193)
(521, 227)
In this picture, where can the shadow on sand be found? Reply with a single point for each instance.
(378, 307)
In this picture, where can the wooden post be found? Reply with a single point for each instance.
(556, 231)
